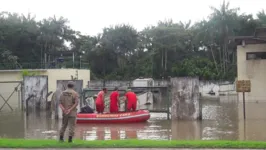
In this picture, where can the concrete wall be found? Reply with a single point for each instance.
(254, 70)
(185, 98)
(219, 87)
(53, 76)
(114, 83)
(65, 74)
(36, 86)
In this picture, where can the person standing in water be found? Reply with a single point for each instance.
(100, 101)
(131, 99)
(69, 100)
(114, 101)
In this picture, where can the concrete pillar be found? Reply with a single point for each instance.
(185, 98)
(56, 110)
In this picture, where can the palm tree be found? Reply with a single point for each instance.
(223, 20)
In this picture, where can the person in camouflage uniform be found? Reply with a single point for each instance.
(69, 100)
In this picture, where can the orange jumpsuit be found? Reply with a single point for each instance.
(100, 102)
(114, 102)
(131, 101)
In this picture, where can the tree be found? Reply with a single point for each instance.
(262, 17)
(121, 52)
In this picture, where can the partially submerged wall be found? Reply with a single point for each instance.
(185, 98)
(35, 90)
(117, 83)
(8, 85)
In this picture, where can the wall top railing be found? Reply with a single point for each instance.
(38, 65)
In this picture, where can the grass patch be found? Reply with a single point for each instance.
(24, 143)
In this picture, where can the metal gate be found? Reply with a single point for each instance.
(10, 95)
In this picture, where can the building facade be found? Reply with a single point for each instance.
(251, 64)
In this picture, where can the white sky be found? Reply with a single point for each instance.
(90, 16)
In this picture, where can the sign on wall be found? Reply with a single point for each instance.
(243, 86)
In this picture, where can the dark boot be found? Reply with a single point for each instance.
(70, 139)
(61, 138)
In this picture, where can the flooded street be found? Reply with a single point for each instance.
(221, 120)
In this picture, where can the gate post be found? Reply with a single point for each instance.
(22, 95)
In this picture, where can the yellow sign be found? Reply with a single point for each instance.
(243, 86)
(112, 115)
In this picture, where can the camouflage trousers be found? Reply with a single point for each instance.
(70, 122)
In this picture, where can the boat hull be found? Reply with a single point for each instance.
(121, 117)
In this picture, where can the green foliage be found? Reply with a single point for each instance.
(200, 67)
(120, 52)
(26, 143)
(29, 73)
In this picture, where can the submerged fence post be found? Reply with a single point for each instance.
(168, 105)
(168, 98)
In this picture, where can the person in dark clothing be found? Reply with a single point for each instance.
(86, 109)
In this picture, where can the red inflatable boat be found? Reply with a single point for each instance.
(121, 117)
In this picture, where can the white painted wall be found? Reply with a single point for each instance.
(53, 75)
(65, 74)
(146, 82)
(145, 98)
(225, 88)
(253, 70)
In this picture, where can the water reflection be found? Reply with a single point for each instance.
(147, 130)
(221, 120)
(12, 125)
(107, 132)
(186, 130)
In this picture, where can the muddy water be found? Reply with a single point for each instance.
(221, 120)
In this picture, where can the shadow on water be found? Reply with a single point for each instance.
(221, 120)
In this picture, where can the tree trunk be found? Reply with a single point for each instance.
(215, 63)
(162, 58)
(165, 60)
(221, 60)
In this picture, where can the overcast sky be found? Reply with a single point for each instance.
(90, 16)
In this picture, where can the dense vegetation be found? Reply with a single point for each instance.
(121, 52)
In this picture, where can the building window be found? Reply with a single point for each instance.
(256, 55)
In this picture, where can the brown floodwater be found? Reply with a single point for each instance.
(221, 120)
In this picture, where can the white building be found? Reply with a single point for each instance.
(251, 63)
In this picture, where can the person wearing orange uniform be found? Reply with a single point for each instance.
(131, 98)
(114, 101)
(100, 101)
